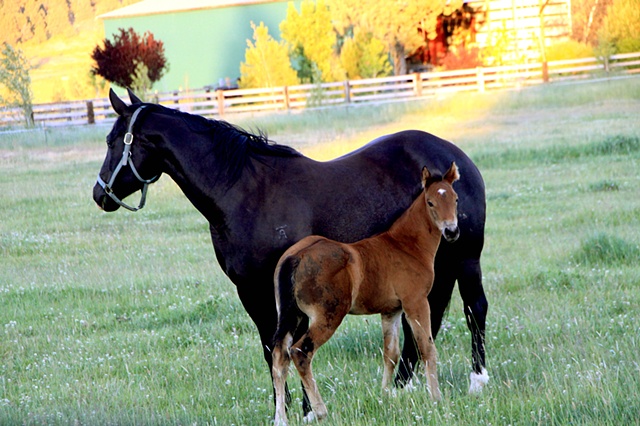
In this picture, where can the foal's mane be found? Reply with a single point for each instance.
(234, 147)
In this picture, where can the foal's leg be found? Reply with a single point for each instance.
(391, 350)
(279, 372)
(419, 318)
(321, 327)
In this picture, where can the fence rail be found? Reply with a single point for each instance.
(210, 103)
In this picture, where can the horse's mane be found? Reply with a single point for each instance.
(238, 147)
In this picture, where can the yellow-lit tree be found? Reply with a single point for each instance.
(364, 56)
(312, 40)
(394, 22)
(622, 24)
(266, 62)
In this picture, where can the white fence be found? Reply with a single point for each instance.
(211, 103)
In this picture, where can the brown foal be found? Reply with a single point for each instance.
(392, 272)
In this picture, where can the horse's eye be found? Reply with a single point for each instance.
(429, 203)
(109, 143)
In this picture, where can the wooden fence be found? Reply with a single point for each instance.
(211, 103)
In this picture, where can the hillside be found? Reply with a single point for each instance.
(57, 37)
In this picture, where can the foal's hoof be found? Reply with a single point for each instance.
(478, 381)
(314, 416)
(310, 418)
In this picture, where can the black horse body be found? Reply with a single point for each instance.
(260, 198)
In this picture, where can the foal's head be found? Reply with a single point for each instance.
(442, 201)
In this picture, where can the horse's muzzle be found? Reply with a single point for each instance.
(451, 233)
(103, 201)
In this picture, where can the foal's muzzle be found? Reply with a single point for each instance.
(451, 233)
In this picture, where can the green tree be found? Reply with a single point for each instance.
(14, 76)
(394, 22)
(266, 62)
(312, 40)
(364, 56)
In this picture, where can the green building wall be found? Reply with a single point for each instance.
(203, 47)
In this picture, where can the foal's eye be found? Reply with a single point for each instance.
(429, 203)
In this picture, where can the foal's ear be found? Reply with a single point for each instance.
(118, 104)
(425, 176)
(134, 99)
(452, 174)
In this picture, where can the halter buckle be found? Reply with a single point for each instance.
(128, 138)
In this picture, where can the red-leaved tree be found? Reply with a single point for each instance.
(131, 60)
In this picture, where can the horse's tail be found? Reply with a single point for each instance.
(289, 314)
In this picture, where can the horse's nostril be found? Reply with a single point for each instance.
(451, 234)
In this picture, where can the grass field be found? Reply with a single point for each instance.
(126, 318)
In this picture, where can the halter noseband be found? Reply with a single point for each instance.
(127, 161)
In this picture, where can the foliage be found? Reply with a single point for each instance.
(569, 49)
(266, 62)
(131, 60)
(623, 23)
(496, 51)
(461, 57)
(39, 20)
(395, 22)
(365, 56)
(587, 17)
(311, 39)
(14, 76)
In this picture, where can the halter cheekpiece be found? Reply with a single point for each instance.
(127, 161)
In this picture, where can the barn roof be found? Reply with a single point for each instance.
(151, 7)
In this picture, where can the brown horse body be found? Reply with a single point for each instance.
(324, 280)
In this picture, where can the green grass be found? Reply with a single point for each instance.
(126, 318)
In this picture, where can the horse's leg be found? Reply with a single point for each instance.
(322, 326)
(475, 311)
(279, 372)
(391, 349)
(419, 318)
(259, 302)
(439, 298)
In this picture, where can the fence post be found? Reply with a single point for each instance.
(545, 72)
(417, 84)
(91, 117)
(220, 94)
(606, 64)
(285, 91)
(347, 92)
(480, 78)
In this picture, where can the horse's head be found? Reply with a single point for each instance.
(130, 164)
(442, 201)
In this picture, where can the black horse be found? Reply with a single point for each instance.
(260, 198)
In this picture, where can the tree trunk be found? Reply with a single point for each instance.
(399, 61)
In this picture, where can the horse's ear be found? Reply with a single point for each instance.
(132, 96)
(425, 176)
(452, 174)
(118, 105)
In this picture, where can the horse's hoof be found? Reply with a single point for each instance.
(310, 418)
(478, 381)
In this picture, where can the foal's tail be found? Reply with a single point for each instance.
(289, 314)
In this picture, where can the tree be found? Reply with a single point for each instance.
(364, 56)
(312, 40)
(266, 62)
(394, 22)
(131, 60)
(622, 23)
(587, 17)
(14, 76)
